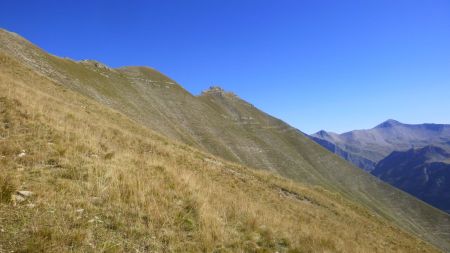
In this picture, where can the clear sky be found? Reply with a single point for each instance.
(316, 64)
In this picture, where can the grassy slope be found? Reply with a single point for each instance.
(101, 182)
(227, 126)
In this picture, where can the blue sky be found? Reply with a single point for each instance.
(336, 65)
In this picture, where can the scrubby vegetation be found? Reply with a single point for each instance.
(100, 182)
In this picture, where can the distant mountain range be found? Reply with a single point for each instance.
(364, 148)
(423, 172)
(414, 158)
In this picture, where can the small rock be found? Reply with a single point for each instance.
(25, 193)
(22, 154)
(31, 205)
(95, 219)
(18, 198)
(2, 230)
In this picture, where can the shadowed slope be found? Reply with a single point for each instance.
(423, 172)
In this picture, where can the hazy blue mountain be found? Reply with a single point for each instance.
(357, 160)
(365, 148)
(424, 173)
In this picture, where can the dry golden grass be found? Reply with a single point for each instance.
(103, 183)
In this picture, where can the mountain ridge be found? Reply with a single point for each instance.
(376, 143)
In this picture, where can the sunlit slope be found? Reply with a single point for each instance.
(224, 125)
(101, 182)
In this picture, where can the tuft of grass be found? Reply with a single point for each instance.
(7, 188)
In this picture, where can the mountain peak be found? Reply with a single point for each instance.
(388, 123)
(322, 133)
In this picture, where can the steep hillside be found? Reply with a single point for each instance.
(365, 148)
(424, 173)
(224, 125)
(79, 177)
